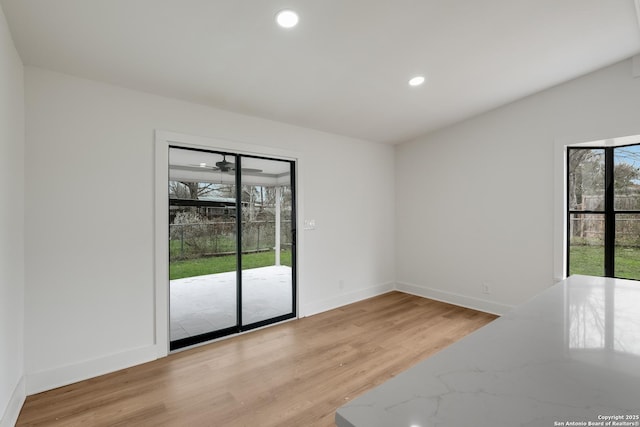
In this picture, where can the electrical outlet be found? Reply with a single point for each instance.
(341, 284)
(485, 288)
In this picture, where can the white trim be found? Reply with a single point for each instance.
(606, 142)
(161, 238)
(12, 411)
(64, 375)
(163, 139)
(344, 299)
(210, 143)
(559, 211)
(455, 299)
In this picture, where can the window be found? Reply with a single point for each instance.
(603, 211)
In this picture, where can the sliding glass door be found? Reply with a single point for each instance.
(231, 243)
(267, 240)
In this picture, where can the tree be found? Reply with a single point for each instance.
(190, 190)
(586, 175)
(626, 176)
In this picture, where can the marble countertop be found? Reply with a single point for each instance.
(570, 356)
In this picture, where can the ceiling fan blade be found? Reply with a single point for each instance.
(189, 167)
(228, 168)
(195, 168)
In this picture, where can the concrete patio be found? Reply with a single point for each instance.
(207, 303)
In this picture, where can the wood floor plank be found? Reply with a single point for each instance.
(293, 374)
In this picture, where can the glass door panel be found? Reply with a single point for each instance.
(267, 280)
(586, 244)
(626, 176)
(586, 203)
(627, 249)
(202, 246)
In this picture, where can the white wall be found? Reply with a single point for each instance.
(476, 200)
(12, 390)
(89, 218)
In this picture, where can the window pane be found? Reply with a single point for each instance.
(627, 251)
(586, 244)
(202, 243)
(627, 178)
(586, 179)
(267, 276)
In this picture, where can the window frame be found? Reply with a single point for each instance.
(609, 212)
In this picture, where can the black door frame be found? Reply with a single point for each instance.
(239, 327)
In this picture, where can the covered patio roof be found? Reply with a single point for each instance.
(200, 166)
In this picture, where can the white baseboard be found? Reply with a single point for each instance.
(453, 298)
(10, 416)
(65, 375)
(344, 299)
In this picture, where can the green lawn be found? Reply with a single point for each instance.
(223, 264)
(585, 259)
(589, 260)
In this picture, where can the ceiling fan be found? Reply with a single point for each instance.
(223, 166)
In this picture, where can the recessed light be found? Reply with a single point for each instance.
(416, 81)
(287, 18)
(203, 165)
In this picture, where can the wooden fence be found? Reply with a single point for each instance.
(588, 229)
(205, 239)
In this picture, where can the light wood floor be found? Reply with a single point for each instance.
(294, 374)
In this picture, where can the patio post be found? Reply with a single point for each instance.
(277, 248)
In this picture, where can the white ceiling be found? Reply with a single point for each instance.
(344, 68)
